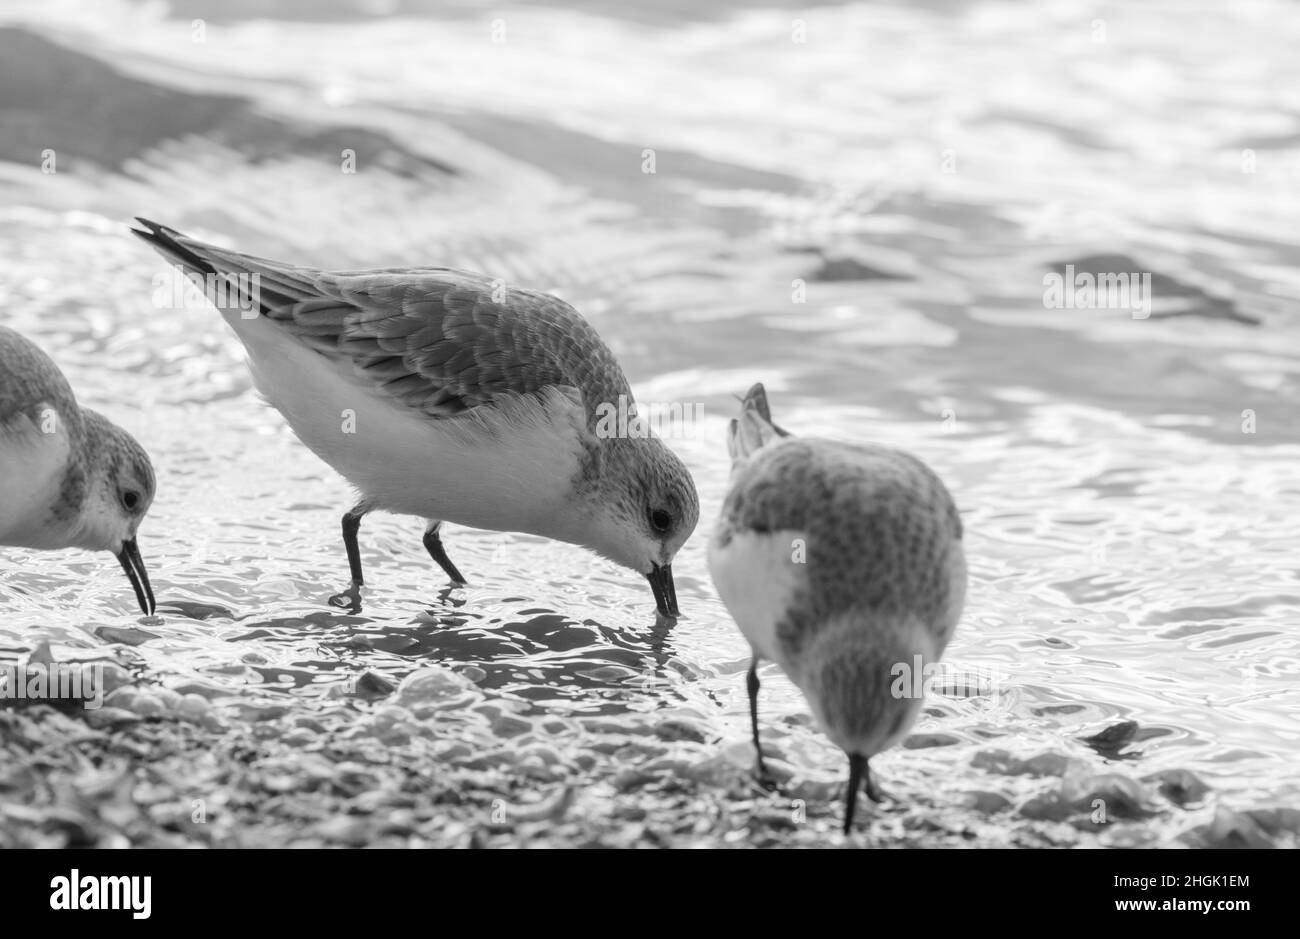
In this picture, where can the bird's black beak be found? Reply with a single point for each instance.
(133, 564)
(661, 582)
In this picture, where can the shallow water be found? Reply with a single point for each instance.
(1131, 533)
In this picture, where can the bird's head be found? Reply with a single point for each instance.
(119, 491)
(642, 510)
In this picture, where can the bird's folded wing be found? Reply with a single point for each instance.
(438, 340)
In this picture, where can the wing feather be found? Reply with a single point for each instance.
(438, 340)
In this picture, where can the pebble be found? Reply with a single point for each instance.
(370, 685)
(507, 726)
(680, 729)
(1045, 764)
(122, 698)
(198, 687)
(41, 654)
(388, 715)
(666, 767)
(256, 713)
(625, 780)
(355, 777)
(171, 700)
(636, 750)
(1127, 836)
(300, 737)
(1005, 764)
(987, 803)
(548, 810)
(114, 676)
(546, 754)
(345, 829)
(687, 670)
(193, 708)
(773, 819)
(733, 765)
(1120, 796)
(108, 717)
(536, 768)
(128, 635)
(1114, 738)
(1277, 820)
(815, 790)
(1047, 807)
(195, 609)
(619, 730)
(1179, 786)
(607, 674)
(1097, 799)
(148, 705)
(455, 752)
(926, 741)
(313, 766)
(1229, 829)
(431, 689)
(399, 821)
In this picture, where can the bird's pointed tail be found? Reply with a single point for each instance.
(231, 281)
(171, 245)
(754, 428)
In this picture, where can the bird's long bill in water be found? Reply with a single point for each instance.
(661, 582)
(133, 564)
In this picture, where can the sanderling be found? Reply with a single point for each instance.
(450, 396)
(843, 564)
(69, 477)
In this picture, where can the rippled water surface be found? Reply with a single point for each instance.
(863, 221)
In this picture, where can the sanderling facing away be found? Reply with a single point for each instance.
(843, 564)
(447, 395)
(69, 478)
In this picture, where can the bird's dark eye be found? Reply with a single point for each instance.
(660, 520)
(130, 499)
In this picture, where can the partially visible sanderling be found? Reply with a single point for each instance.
(69, 477)
(843, 564)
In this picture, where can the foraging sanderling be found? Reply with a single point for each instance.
(69, 477)
(843, 564)
(450, 396)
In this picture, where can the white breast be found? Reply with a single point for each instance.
(507, 470)
(32, 466)
(757, 576)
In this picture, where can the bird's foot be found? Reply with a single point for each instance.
(447, 596)
(349, 599)
(764, 778)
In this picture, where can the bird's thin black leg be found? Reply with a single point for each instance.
(751, 684)
(857, 768)
(352, 525)
(433, 544)
(351, 598)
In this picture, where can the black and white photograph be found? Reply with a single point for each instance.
(443, 424)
